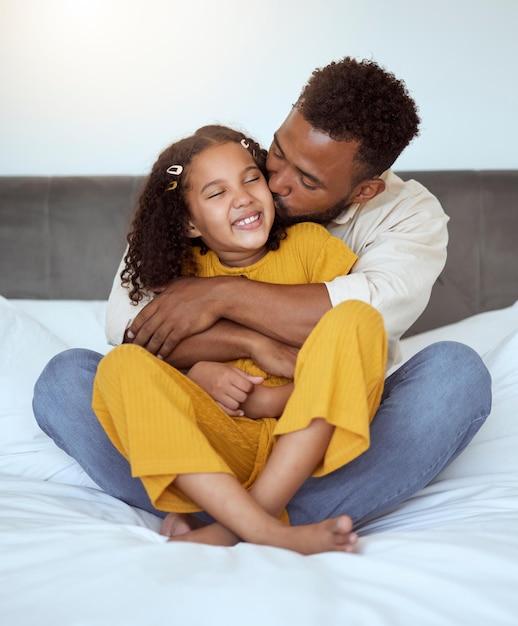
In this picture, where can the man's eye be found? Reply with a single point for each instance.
(308, 186)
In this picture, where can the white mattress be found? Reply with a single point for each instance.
(72, 555)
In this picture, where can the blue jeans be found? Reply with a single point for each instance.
(431, 408)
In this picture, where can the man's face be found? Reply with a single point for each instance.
(310, 174)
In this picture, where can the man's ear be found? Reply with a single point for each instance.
(192, 231)
(367, 190)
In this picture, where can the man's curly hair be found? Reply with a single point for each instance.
(159, 249)
(358, 100)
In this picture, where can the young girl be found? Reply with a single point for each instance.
(206, 210)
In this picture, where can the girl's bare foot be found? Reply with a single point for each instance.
(332, 535)
(179, 524)
(211, 534)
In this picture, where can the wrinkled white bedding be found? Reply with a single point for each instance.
(71, 555)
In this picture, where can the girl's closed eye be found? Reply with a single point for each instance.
(215, 194)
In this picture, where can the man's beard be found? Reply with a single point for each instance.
(320, 217)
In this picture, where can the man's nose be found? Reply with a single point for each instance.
(279, 182)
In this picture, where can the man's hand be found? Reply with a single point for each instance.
(189, 306)
(181, 309)
(273, 356)
(227, 385)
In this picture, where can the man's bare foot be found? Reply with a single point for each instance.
(179, 524)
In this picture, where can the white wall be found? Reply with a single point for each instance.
(101, 86)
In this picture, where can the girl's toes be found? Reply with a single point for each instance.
(174, 524)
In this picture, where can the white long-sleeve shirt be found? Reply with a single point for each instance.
(400, 237)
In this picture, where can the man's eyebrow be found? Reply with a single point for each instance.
(311, 177)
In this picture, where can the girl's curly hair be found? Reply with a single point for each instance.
(358, 100)
(158, 247)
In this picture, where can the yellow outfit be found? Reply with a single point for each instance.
(166, 425)
(308, 255)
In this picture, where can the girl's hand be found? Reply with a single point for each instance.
(227, 385)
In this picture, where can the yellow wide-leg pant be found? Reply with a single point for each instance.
(166, 425)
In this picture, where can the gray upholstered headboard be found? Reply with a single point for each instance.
(481, 272)
(63, 237)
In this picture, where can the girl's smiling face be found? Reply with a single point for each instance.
(230, 204)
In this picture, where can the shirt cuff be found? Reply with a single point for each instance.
(350, 287)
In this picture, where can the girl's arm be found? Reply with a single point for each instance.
(238, 393)
(266, 401)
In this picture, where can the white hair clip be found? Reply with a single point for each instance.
(175, 170)
(245, 144)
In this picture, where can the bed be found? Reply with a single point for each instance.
(72, 555)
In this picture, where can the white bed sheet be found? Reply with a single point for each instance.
(70, 554)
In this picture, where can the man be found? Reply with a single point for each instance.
(329, 162)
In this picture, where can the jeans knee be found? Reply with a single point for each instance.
(461, 369)
(69, 363)
(453, 356)
(68, 374)
(50, 375)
